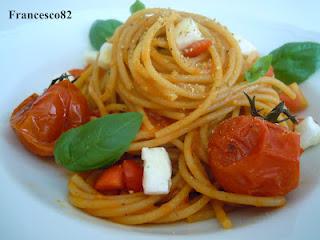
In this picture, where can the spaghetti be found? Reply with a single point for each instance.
(150, 75)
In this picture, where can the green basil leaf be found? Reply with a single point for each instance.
(259, 69)
(98, 143)
(137, 6)
(102, 30)
(296, 61)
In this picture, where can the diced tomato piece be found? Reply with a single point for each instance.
(111, 179)
(196, 48)
(133, 173)
(270, 72)
(295, 105)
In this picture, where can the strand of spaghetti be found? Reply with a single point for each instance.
(178, 143)
(102, 203)
(109, 88)
(116, 107)
(163, 60)
(201, 151)
(171, 115)
(190, 118)
(79, 182)
(93, 91)
(160, 42)
(125, 210)
(152, 215)
(84, 77)
(215, 116)
(144, 135)
(176, 77)
(183, 213)
(204, 214)
(118, 54)
(220, 214)
(204, 130)
(197, 170)
(135, 99)
(278, 84)
(163, 103)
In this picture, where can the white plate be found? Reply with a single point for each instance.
(33, 202)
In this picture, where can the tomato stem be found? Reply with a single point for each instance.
(274, 113)
(61, 78)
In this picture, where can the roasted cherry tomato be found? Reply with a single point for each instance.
(39, 120)
(249, 155)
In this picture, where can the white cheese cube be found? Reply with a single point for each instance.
(187, 32)
(157, 170)
(245, 46)
(90, 56)
(309, 132)
(105, 55)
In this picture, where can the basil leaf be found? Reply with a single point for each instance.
(98, 143)
(137, 6)
(102, 30)
(296, 61)
(259, 69)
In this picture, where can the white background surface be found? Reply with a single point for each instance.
(37, 211)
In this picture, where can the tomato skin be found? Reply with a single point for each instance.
(248, 155)
(111, 179)
(295, 105)
(133, 174)
(196, 48)
(39, 120)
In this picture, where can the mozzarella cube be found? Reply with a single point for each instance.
(105, 55)
(187, 32)
(90, 56)
(157, 170)
(309, 132)
(245, 46)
